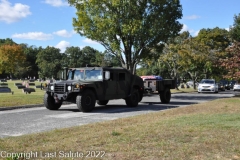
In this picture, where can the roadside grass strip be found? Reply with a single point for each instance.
(203, 131)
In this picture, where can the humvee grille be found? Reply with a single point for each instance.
(59, 88)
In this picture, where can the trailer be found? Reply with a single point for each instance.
(158, 85)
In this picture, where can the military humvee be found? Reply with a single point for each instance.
(88, 85)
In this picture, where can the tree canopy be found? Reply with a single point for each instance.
(232, 61)
(235, 28)
(49, 62)
(128, 29)
(11, 57)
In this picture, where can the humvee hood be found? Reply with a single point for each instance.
(74, 82)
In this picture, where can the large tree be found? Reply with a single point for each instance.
(232, 61)
(128, 29)
(49, 62)
(235, 29)
(217, 39)
(72, 57)
(30, 68)
(194, 58)
(11, 58)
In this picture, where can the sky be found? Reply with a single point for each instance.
(49, 22)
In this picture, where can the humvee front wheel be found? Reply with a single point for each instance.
(103, 102)
(165, 96)
(86, 102)
(133, 100)
(49, 102)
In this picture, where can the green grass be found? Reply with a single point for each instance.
(183, 90)
(203, 131)
(19, 98)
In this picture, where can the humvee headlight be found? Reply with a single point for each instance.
(77, 86)
(69, 88)
(52, 88)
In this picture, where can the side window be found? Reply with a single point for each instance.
(121, 76)
(111, 76)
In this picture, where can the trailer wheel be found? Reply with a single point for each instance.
(86, 102)
(49, 102)
(165, 96)
(133, 100)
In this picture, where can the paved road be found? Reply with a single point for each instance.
(24, 121)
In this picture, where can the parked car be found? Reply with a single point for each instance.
(231, 83)
(226, 84)
(208, 85)
(221, 86)
(236, 87)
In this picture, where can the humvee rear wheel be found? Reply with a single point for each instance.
(104, 102)
(49, 102)
(133, 100)
(86, 102)
(165, 96)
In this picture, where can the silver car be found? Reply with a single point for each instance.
(236, 87)
(208, 85)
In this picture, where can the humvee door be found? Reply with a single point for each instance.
(123, 84)
(111, 86)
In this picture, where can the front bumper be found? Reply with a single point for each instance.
(211, 90)
(62, 91)
(236, 89)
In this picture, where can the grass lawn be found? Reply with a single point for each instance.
(202, 131)
(19, 98)
(183, 90)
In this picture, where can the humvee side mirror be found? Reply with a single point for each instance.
(107, 75)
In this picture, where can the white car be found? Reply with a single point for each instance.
(236, 87)
(208, 85)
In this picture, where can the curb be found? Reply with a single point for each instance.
(26, 106)
(20, 107)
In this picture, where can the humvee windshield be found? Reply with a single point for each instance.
(85, 75)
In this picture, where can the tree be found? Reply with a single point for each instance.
(216, 40)
(49, 62)
(171, 58)
(194, 58)
(11, 58)
(29, 68)
(111, 60)
(232, 61)
(89, 55)
(128, 29)
(7, 41)
(73, 57)
(235, 29)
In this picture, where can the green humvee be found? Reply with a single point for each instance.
(88, 85)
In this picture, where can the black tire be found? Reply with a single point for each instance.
(165, 96)
(104, 102)
(133, 100)
(49, 102)
(86, 102)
